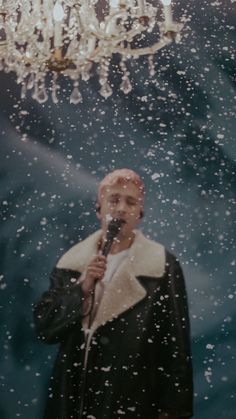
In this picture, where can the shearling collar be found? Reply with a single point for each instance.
(146, 256)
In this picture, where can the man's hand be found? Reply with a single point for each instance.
(95, 271)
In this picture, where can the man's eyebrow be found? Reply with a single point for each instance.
(118, 195)
(114, 195)
(132, 197)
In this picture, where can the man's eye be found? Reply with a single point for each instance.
(114, 200)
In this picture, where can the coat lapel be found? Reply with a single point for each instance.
(78, 256)
(146, 258)
(121, 293)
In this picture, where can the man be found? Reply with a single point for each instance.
(121, 321)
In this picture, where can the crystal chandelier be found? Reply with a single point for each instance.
(39, 38)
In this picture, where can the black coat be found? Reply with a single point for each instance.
(138, 359)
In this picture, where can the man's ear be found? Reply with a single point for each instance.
(98, 212)
(141, 214)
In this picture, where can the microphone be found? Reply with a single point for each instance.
(112, 231)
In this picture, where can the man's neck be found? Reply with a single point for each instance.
(121, 243)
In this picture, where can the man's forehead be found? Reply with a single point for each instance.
(124, 188)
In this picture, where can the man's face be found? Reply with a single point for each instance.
(122, 200)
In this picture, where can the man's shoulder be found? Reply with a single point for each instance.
(149, 257)
(156, 247)
(79, 255)
(146, 241)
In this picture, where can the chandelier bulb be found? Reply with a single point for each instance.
(167, 13)
(58, 12)
(114, 4)
(166, 2)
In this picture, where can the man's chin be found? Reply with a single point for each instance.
(125, 232)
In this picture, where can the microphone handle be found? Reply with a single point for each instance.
(107, 245)
(113, 230)
(105, 251)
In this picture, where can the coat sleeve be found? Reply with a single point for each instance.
(177, 381)
(60, 308)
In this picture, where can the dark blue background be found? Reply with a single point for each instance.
(177, 130)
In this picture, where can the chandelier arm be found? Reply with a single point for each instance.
(102, 35)
(116, 15)
(123, 36)
(134, 52)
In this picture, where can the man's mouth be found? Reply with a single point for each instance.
(122, 220)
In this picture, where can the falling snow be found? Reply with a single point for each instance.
(177, 129)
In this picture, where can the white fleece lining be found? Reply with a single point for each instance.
(146, 258)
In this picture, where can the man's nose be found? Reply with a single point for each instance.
(121, 207)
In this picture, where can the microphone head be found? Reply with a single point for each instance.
(114, 227)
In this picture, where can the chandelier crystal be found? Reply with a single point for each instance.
(67, 37)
